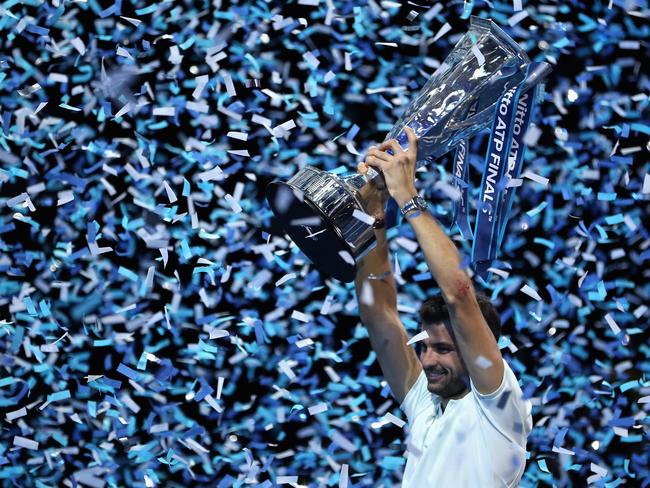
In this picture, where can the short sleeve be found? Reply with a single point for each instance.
(506, 407)
(418, 399)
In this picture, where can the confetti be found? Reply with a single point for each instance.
(483, 362)
(420, 336)
(394, 420)
(528, 290)
(316, 409)
(26, 443)
(343, 476)
(158, 327)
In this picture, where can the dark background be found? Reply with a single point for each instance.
(577, 402)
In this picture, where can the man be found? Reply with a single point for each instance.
(467, 419)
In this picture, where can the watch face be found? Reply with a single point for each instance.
(420, 202)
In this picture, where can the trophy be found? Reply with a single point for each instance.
(326, 215)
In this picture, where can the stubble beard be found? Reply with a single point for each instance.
(451, 386)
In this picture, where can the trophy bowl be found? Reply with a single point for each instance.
(325, 215)
(316, 210)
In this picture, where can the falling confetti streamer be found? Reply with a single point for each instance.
(157, 326)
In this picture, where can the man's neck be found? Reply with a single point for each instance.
(445, 401)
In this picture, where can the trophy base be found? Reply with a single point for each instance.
(315, 209)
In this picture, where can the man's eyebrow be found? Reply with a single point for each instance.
(438, 344)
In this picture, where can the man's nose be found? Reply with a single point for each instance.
(429, 358)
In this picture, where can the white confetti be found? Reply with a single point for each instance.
(201, 81)
(450, 191)
(236, 208)
(79, 45)
(285, 278)
(263, 121)
(343, 442)
(478, 54)
(535, 177)
(483, 362)
(123, 53)
(531, 292)
(217, 333)
(504, 274)
(24, 442)
(418, 337)
(363, 217)
(514, 182)
(343, 476)
(215, 173)
(21, 412)
(612, 324)
(304, 343)
(646, 183)
(634, 45)
(124, 110)
(200, 107)
(316, 409)
(240, 136)
(367, 297)
(334, 377)
(394, 420)
(285, 367)
(164, 111)
(532, 135)
(347, 61)
(640, 311)
(408, 244)
(308, 221)
(300, 316)
(220, 381)
(347, 257)
(327, 305)
(432, 12)
(171, 196)
(230, 88)
(286, 480)
(518, 17)
(24, 199)
(443, 30)
(283, 129)
(582, 278)
(57, 78)
(311, 59)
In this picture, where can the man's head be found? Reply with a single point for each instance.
(446, 372)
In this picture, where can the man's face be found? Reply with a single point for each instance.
(441, 361)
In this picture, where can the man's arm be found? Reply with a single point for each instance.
(377, 299)
(473, 335)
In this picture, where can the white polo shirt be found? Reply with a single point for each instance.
(478, 441)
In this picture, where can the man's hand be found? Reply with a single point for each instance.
(398, 168)
(374, 194)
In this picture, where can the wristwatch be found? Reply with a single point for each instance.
(415, 203)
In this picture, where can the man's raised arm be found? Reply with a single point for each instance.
(377, 299)
(473, 336)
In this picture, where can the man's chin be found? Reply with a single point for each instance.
(444, 389)
(435, 388)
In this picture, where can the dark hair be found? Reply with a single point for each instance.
(435, 310)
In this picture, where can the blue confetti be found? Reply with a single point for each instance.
(158, 328)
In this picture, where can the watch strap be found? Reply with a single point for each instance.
(415, 203)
